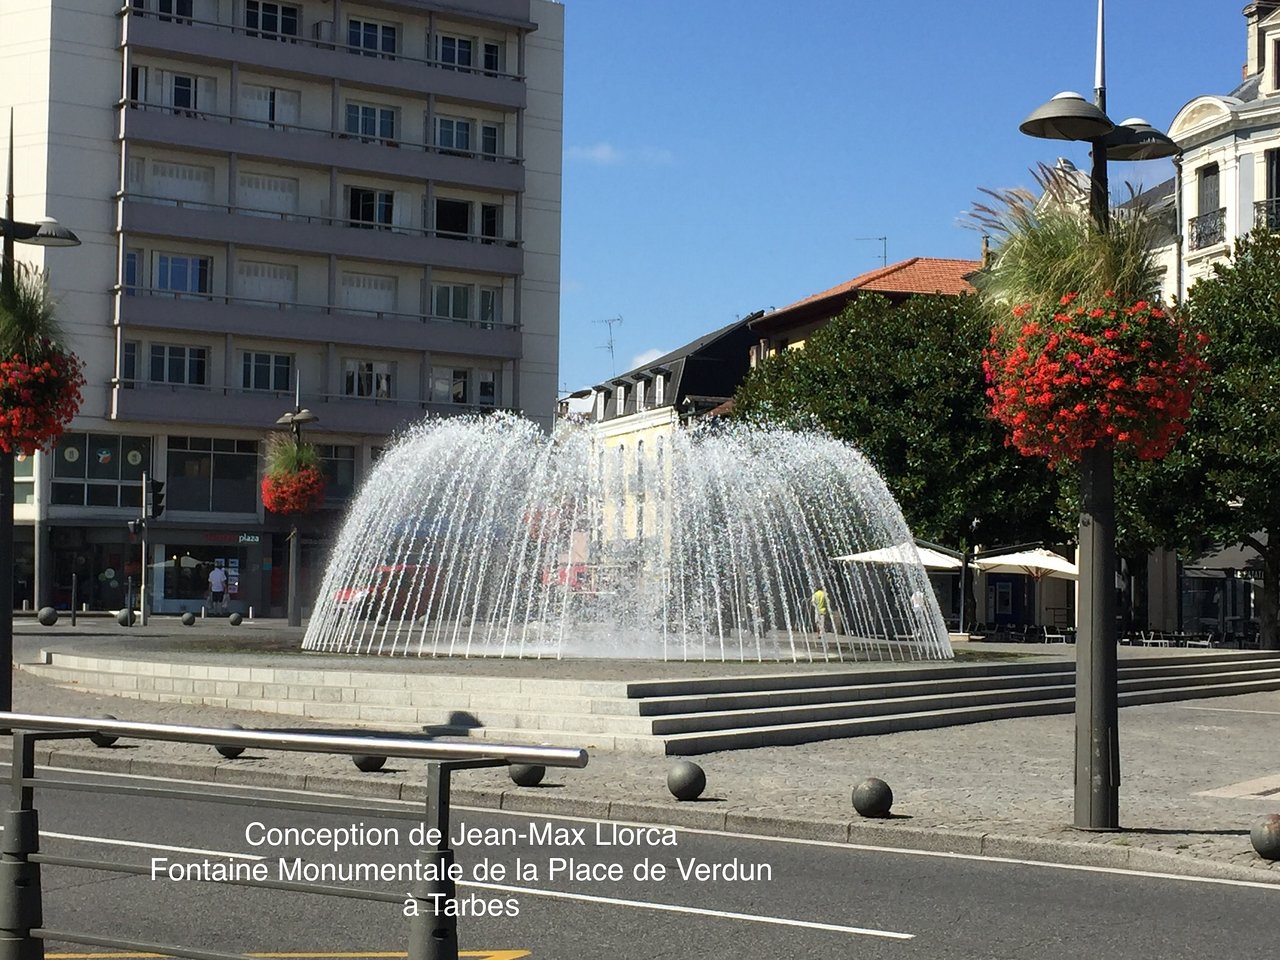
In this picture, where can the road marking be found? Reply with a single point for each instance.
(697, 911)
(904, 851)
(1269, 713)
(355, 955)
(1263, 788)
(108, 841)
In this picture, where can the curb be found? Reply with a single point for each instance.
(891, 834)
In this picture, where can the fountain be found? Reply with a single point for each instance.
(486, 537)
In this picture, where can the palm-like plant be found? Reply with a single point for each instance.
(28, 323)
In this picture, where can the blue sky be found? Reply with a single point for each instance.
(725, 156)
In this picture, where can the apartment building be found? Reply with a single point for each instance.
(354, 207)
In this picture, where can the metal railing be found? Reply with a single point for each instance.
(433, 932)
(1266, 214)
(1207, 229)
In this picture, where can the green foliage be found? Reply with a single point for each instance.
(286, 456)
(1048, 246)
(905, 385)
(27, 324)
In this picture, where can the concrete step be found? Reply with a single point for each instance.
(622, 743)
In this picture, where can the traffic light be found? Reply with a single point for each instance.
(153, 499)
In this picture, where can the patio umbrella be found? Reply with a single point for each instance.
(905, 553)
(1037, 564)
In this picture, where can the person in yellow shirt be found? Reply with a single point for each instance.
(821, 612)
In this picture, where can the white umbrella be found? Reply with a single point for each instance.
(905, 553)
(1037, 563)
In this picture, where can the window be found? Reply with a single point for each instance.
(453, 134)
(212, 475)
(487, 388)
(266, 195)
(659, 383)
(267, 106)
(339, 465)
(369, 208)
(370, 38)
(181, 365)
(129, 362)
(455, 52)
(371, 123)
(267, 371)
(138, 84)
(367, 292)
(269, 284)
(24, 478)
(490, 222)
(451, 301)
(179, 182)
(450, 385)
(368, 378)
(176, 10)
(492, 57)
(490, 140)
(274, 21)
(1207, 183)
(453, 218)
(182, 89)
(129, 281)
(490, 306)
(182, 273)
(99, 469)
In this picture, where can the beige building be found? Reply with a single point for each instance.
(352, 204)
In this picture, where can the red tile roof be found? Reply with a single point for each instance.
(919, 275)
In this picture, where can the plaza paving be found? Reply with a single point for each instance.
(1196, 774)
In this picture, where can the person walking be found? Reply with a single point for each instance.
(821, 612)
(217, 588)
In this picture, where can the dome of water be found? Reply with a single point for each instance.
(487, 537)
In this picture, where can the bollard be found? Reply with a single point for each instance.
(20, 901)
(251, 612)
(75, 590)
(202, 613)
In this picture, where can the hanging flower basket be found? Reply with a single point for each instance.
(1093, 375)
(297, 492)
(39, 395)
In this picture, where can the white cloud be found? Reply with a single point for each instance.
(641, 359)
(605, 154)
(602, 153)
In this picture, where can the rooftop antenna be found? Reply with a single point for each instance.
(884, 248)
(608, 345)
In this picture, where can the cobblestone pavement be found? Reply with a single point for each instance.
(1001, 779)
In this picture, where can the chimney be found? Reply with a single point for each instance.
(986, 251)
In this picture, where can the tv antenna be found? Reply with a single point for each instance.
(608, 345)
(884, 248)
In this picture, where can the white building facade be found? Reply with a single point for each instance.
(352, 206)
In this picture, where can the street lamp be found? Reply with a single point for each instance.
(1097, 768)
(294, 420)
(45, 232)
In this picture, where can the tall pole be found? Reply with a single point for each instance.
(295, 546)
(6, 473)
(1097, 775)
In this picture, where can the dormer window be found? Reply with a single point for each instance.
(1275, 63)
(639, 396)
(659, 385)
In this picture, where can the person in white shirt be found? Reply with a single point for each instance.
(217, 588)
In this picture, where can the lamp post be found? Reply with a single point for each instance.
(48, 233)
(294, 421)
(1097, 764)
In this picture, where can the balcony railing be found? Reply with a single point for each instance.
(291, 306)
(321, 38)
(318, 219)
(1207, 229)
(1266, 214)
(299, 129)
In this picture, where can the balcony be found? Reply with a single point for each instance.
(311, 323)
(142, 402)
(1207, 229)
(306, 233)
(1266, 214)
(313, 147)
(316, 55)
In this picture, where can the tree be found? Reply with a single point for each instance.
(1218, 487)
(905, 385)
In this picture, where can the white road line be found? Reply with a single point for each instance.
(1269, 713)
(110, 842)
(903, 851)
(698, 911)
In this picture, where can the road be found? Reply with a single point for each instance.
(798, 899)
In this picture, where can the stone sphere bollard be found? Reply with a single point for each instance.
(686, 780)
(526, 774)
(103, 739)
(1265, 837)
(368, 764)
(126, 618)
(47, 616)
(872, 798)
(235, 619)
(226, 749)
(188, 619)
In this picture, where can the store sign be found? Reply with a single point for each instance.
(249, 538)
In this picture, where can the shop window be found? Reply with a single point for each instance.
(99, 470)
(212, 475)
(339, 463)
(24, 480)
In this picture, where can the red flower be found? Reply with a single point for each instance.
(293, 492)
(38, 398)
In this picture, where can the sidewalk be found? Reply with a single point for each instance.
(1001, 788)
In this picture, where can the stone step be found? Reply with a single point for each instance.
(621, 743)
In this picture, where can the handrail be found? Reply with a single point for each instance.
(145, 106)
(331, 44)
(305, 742)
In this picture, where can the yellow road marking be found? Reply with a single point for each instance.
(368, 955)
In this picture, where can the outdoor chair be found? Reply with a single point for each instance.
(1054, 636)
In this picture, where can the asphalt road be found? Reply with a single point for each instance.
(803, 899)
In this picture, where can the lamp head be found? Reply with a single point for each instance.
(1068, 116)
(50, 233)
(1135, 139)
